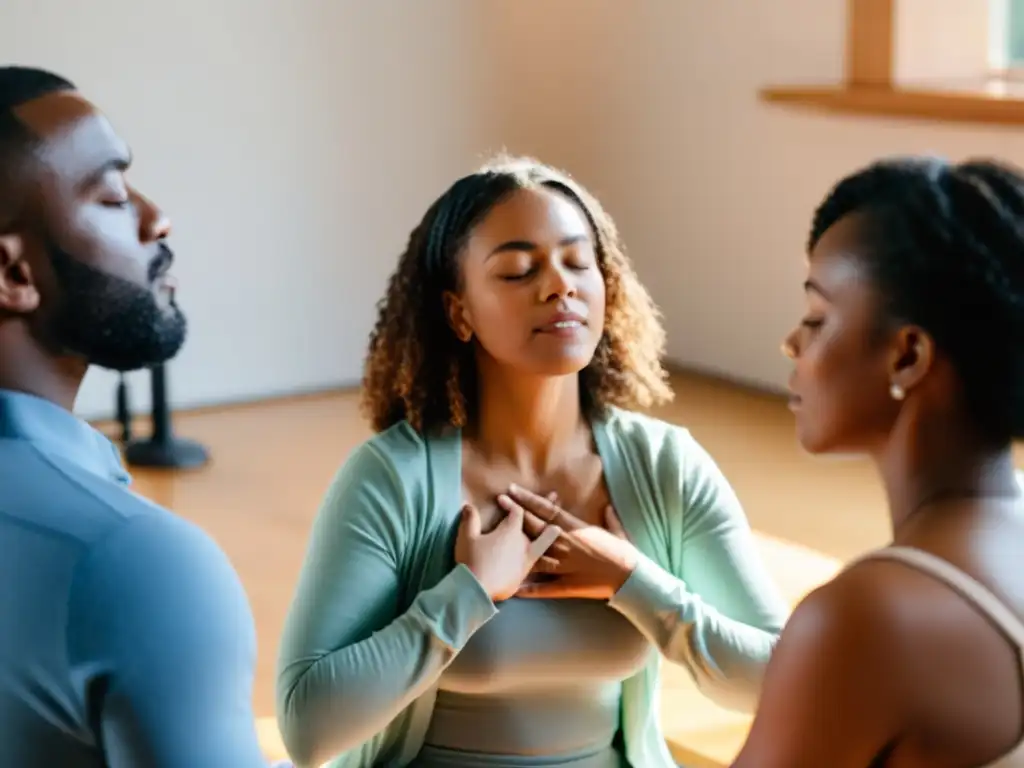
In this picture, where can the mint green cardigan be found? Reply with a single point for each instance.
(381, 608)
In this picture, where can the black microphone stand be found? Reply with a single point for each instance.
(123, 410)
(163, 449)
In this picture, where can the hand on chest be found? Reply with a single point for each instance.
(579, 484)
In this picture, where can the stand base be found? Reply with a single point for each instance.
(177, 453)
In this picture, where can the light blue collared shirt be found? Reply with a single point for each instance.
(126, 638)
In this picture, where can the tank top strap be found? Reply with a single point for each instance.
(975, 592)
(968, 587)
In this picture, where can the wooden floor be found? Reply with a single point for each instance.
(272, 462)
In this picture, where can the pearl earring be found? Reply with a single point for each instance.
(897, 392)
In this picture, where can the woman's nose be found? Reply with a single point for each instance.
(557, 284)
(788, 347)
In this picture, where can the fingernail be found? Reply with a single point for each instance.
(513, 488)
(504, 500)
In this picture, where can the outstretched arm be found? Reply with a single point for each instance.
(161, 631)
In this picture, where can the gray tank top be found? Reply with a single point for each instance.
(538, 685)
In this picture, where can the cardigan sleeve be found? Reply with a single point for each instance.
(350, 661)
(719, 613)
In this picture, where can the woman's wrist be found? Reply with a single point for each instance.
(470, 582)
(644, 586)
(456, 606)
(622, 566)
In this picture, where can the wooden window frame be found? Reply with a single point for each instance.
(869, 87)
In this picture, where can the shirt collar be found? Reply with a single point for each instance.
(57, 432)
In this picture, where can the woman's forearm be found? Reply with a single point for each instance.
(331, 703)
(726, 657)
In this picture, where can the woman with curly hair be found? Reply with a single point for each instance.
(437, 621)
(911, 351)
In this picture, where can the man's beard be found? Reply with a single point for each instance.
(112, 322)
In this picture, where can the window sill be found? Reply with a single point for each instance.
(987, 102)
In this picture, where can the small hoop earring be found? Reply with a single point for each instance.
(897, 392)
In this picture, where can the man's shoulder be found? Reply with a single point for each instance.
(153, 542)
(156, 567)
(104, 525)
(59, 499)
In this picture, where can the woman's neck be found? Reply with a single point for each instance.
(919, 470)
(534, 423)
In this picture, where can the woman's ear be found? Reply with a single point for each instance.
(455, 311)
(18, 292)
(912, 358)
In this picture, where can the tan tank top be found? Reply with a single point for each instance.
(978, 594)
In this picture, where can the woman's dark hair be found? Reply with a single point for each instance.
(417, 369)
(944, 246)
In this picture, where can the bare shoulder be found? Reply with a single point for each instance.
(836, 689)
(892, 608)
(849, 639)
(862, 606)
(884, 659)
(961, 678)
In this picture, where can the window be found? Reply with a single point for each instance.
(1006, 35)
(1013, 34)
(941, 60)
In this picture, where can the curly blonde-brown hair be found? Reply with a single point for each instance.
(417, 370)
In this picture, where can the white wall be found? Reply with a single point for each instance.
(295, 145)
(654, 104)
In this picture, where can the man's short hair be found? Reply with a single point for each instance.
(19, 85)
(22, 84)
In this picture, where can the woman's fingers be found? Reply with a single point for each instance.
(514, 519)
(539, 546)
(470, 521)
(560, 549)
(547, 510)
(532, 524)
(547, 564)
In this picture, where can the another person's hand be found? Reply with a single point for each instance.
(501, 559)
(587, 561)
